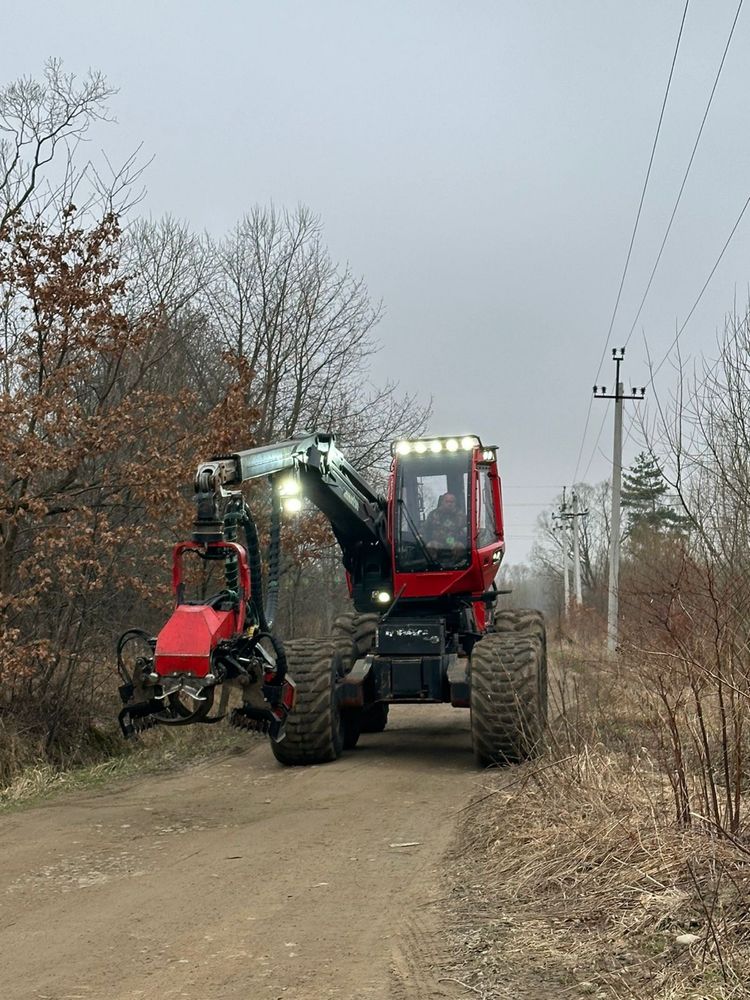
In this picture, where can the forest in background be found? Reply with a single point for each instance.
(130, 350)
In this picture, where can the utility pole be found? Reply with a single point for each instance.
(562, 526)
(600, 392)
(574, 515)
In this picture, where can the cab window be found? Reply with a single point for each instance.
(432, 517)
(486, 514)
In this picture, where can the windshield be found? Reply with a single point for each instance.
(433, 512)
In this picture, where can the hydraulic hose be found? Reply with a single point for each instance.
(252, 545)
(265, 609)
(278, 648)
(274, 559)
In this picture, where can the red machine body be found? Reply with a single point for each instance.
(187, 642)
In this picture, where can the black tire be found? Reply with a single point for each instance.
(354, 636)
(351, 721)
(508, 697)
(314, 729)
(529, 622)
(522, 621)
(375, 718)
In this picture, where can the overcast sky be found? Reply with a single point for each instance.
(480, 163)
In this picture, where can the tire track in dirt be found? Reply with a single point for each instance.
(239, 878)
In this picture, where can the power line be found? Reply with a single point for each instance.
(687, 172)
(677, 336)
(669, 226)
(679, 333)
(705, 285)
(708, 373)
(635, 228)
(583, 439)
(529, 503)
(545, 486)
(645, 186)
(700, 294)
(596, 445)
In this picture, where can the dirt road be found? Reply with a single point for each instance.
(238, 878)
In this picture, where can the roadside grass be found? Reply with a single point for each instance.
(159, 749)
(573, 878)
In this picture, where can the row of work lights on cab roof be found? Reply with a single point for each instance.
(289, 488)
(423, 446)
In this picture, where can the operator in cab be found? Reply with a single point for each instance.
(445, 529)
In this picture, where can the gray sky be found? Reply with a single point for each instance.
(480, 163)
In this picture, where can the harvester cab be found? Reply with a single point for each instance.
(424, 628)
(446, 522)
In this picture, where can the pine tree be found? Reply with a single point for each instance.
(643, 499)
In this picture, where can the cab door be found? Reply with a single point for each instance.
(488, 522)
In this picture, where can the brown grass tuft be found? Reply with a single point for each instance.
(573, 879)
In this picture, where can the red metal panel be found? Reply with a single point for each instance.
(186, 642)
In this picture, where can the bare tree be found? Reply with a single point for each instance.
(302, 323)
(546, 552)
(37, 118)
(687, 597)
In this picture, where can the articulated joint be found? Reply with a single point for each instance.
(210, 498)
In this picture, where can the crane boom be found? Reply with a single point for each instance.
(356, 512)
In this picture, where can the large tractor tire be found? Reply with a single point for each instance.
(354, 636)
(509, 690)
(523, 621)
(375, 718)
(314, 728)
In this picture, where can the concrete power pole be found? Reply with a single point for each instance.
(600, 392)
(562, 518)
(574, 515)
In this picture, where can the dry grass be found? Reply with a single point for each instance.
(160, 749)
(574, 880)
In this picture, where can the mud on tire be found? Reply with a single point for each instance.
(523, 621)
(354, 636)
(509, 689)
(314, 732)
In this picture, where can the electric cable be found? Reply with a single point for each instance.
(635, 230)
(687, 319)
(675, 341)
(686, 174)
(596, 445)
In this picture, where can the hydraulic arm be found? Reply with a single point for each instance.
(171, 679)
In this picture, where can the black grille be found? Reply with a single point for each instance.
(421, 637)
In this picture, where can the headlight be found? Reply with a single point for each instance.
(289, 487)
